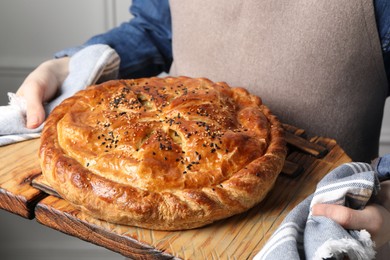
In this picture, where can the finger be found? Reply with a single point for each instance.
(32, 92)
(374, 218)
(35, 114)
(347, 217)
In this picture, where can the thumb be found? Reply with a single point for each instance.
(35, 112)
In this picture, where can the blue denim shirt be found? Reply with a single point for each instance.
(144, 43)
(382, 12)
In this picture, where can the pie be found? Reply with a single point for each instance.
(162, 153)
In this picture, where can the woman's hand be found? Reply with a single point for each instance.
(40, 86)
(375, 218)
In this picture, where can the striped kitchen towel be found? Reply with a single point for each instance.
(86, 67)
(304, 236)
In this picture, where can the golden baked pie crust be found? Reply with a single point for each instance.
(162, 153)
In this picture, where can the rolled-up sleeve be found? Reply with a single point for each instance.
(144, 43)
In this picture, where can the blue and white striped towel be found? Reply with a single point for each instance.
(304, 236)
(88, 66)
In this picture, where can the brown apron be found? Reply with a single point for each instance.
(316, 64)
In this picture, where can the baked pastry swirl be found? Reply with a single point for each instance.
(162, 153)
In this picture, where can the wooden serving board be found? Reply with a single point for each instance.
(238, 237)
(19, 165)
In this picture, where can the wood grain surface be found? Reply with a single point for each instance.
(238, 237)
(19, 165)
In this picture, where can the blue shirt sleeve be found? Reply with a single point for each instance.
(144, 43)
(382, 14)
